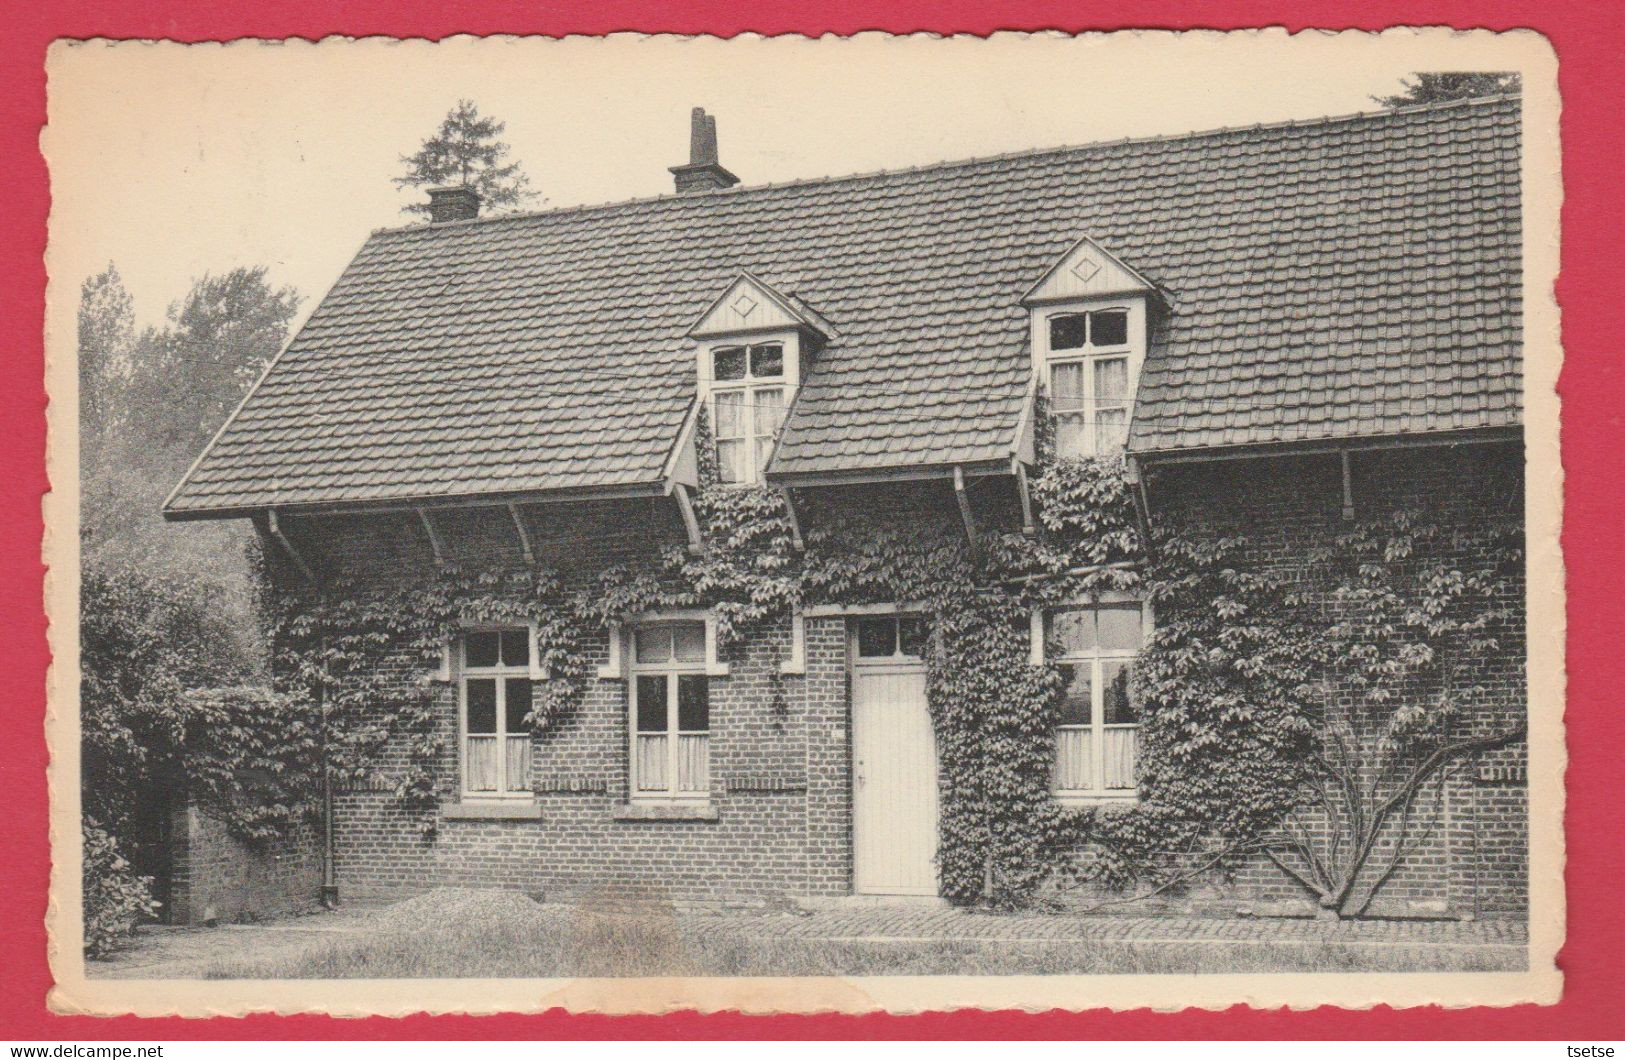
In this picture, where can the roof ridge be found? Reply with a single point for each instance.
(951, 163)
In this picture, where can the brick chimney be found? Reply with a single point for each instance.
(457, 203)
(703, 172)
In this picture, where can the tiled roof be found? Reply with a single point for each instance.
(1356, 279)
(1328, 279)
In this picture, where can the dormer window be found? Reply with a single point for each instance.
(1089, 317)
(752, 346)
(747, 407)
(1091, 365)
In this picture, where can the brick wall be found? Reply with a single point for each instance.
(582, 845)
(1469, 857)
(217, 877)
(828, 810)
(780, 782)
(752, 852)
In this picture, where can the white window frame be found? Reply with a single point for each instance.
(1132, 350)
(786, 383)
(1097, 693)
(615, 664)
(898, 657)
(671, 670)
(457, 659)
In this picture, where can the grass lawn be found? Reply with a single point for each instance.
(463, 934)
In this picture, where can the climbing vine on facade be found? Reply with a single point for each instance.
(1232, 688)
(363, 657)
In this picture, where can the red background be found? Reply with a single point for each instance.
(1589, 44)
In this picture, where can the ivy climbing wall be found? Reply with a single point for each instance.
(1465, 850)
(1230, 687)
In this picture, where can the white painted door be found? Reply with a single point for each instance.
(894, 782)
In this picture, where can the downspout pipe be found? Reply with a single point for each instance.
(330, 886)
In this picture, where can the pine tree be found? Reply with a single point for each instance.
(467, 150)
(1443, 86)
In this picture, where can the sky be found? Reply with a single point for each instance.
(175, 160)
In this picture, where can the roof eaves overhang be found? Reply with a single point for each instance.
(653, 488)
(899, 473)
(1330, 444)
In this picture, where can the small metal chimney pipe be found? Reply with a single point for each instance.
(702, 172)
(456, 203)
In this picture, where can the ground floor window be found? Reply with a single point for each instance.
(1097, 734)
(670, 712)
(495, 694)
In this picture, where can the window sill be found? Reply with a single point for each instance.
(1115, 800)
(492, 810)
(666, 811)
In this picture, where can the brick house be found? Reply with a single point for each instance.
(1284, 323)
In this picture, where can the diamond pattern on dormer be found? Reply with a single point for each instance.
(1086, 269)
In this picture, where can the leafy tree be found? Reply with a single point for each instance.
(467, 150)
(187, 376)
(156, 398)
(152, 402)
(159, 397)
(106, 336)
(1441, 87)
(144, 639)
